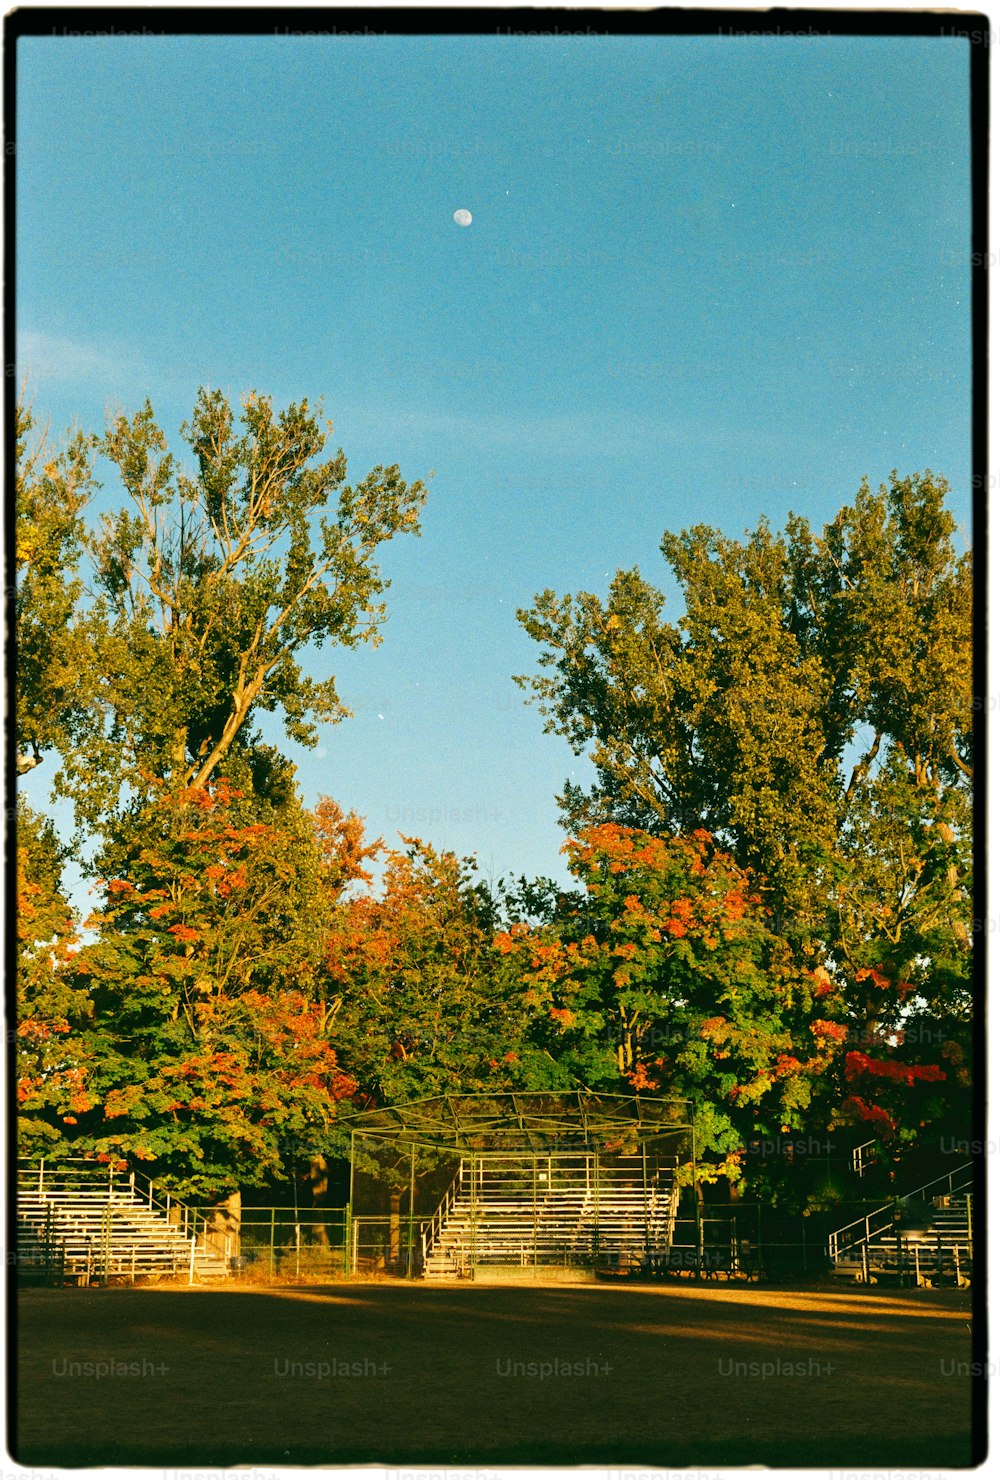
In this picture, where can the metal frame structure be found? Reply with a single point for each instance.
(511, 1128)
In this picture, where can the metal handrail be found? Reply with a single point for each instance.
(858, 1159)
(837, 1246)
(433, 1226)
(63, 1176)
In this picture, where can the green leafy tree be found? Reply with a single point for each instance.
(421, 1007)
(54, 669)
(666, 966)
(148, 648)
(51, 1058)
(209, 587)
(209, 1047)
(812, 711)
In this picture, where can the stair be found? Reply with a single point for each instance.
(939, 1252)
(570, 1226)
(78, 1232)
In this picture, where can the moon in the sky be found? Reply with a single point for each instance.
(463, 218)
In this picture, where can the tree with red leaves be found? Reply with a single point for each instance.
(812, 709)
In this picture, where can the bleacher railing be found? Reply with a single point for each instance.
(430, 1231)
(68, 1187)
(564, 1210)
(874, 1224)
(863, 1157)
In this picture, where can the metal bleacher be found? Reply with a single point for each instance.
(549, 1213)
(81, 1222)
(923, 1237)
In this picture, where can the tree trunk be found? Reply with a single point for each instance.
(223, 1224)
(319, 1182)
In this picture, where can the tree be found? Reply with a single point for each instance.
(209, 1046)
(666, 966)
(51, 1059)
(208, 587)
(812, 712)
(421, 1008)
(52, 489)
(148, 647)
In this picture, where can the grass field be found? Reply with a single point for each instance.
(395, 1374)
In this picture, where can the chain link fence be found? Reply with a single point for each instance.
(280, 1243)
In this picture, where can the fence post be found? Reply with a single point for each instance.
(298, 1227)
(270, 1262)
(968, 1217)
(191, 1265)
(41, 1176)
(864, 1265)
(413, 1183)
(106, 1245)
(472, 1219)
(48, 1245)
(698, 1235)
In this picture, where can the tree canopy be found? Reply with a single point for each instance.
(769, 913)
(207, 588)
(812, 712)
(53, 486)
(208, 1043)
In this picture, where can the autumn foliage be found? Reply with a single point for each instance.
(208, 1045)
(769, 907)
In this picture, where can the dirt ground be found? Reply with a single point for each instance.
(394, 1374)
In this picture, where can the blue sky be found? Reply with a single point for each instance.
(707, 279)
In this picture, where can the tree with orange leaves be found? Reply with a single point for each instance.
(209, 1045)
(421, 1007)
(665, 968)
(812, 708)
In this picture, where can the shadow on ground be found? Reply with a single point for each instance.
(404, 1374)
